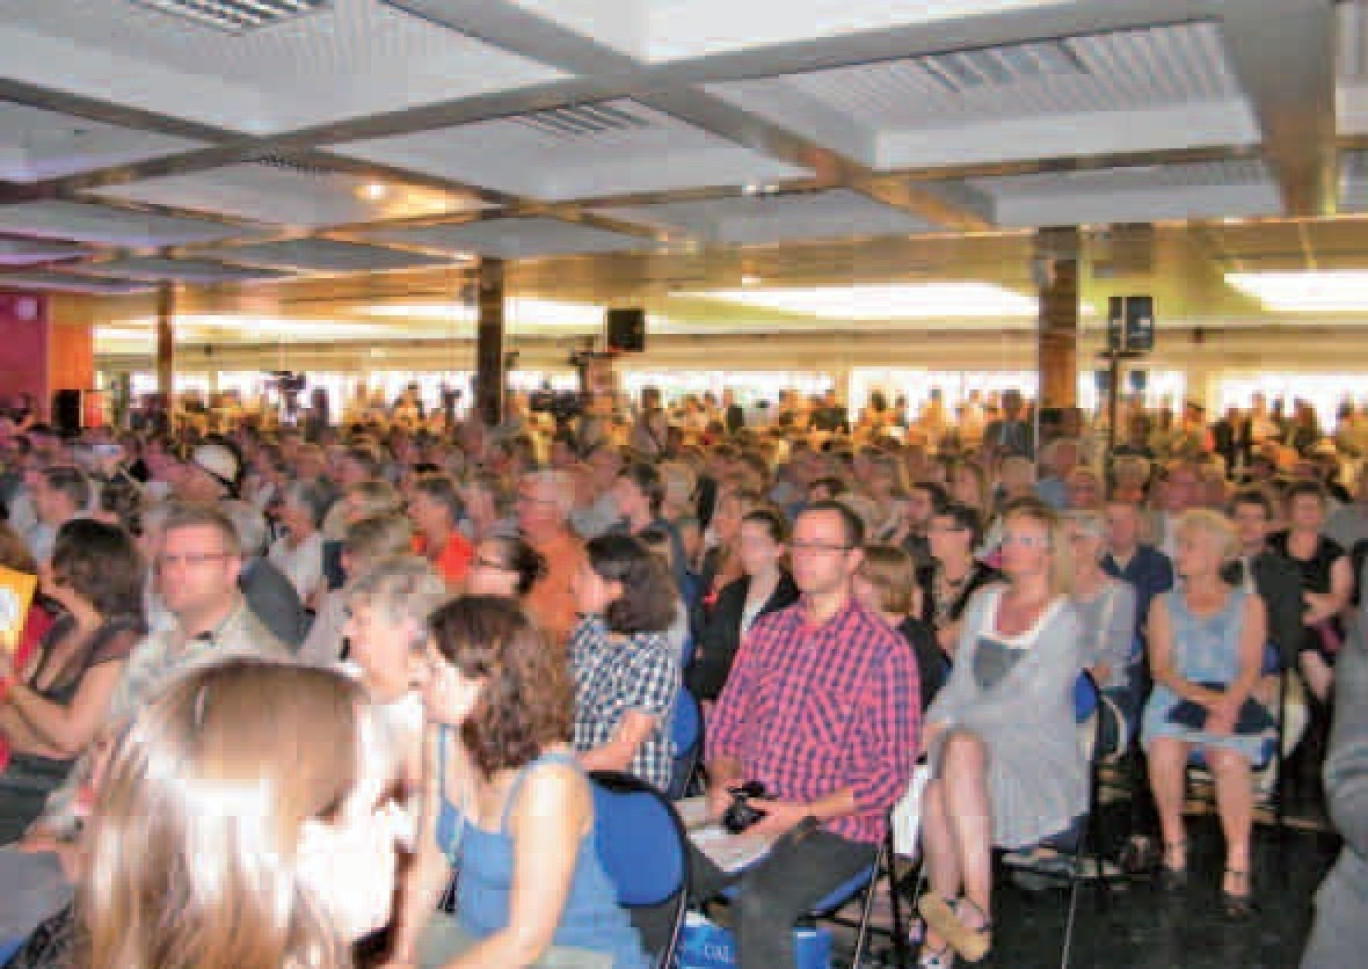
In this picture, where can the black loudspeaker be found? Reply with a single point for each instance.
(66, 411)
(627, 330)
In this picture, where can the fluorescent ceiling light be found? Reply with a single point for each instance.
(519, 310)
(899, 302)
(1306, 292)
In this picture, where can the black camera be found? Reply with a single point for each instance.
(741, 814)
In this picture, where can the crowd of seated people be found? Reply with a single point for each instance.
(516, 606)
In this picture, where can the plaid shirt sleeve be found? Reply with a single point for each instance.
(654, 676)
(888, 736)
(729, 717)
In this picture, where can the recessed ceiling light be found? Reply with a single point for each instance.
(961, 300)
(750, 280)
(375, 191)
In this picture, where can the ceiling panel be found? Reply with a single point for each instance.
(666, 30)
(157, 268)
(353, 58)
(292, 194)
(1157, 88)
(584, 151)
(36, 144)
(26, 252)
(325, 256)
(1139, 194)
(88, 222)
(757, 220)
(68, 283)
(511, 238)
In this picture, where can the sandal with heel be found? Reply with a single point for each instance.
(1237, 905)
(1173, 878)
(943, 917)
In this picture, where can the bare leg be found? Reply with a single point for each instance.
(938, 848)
(1317, 673)
(1235, 804)
(938, 844)
(964, 766)
(1168, 773)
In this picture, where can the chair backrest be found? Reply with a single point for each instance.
(686, 730)
(643, 848)
(641, 841)
(1085, 697)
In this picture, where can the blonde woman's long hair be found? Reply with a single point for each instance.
(194, 845)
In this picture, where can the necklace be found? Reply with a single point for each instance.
(946, 593)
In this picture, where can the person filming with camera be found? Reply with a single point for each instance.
(819, 718)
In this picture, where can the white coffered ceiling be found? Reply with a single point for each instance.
(615, 149)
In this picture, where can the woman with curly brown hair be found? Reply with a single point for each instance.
(507, 803)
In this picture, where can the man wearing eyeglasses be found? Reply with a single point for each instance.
(196, 573)
(821, 709)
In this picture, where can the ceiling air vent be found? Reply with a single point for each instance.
(582, 121)
(236, 16)
(988, 67)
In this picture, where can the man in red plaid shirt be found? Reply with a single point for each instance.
(822, 709)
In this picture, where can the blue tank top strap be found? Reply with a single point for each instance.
(551, 757)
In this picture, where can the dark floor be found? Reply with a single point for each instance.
(1144, 928)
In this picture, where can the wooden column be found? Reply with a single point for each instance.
(166, 340)
(1056, 264)
(489, 340)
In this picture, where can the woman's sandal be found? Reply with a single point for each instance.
(1241, 905)
(942, 958)
(1173, 878)
(943, 918)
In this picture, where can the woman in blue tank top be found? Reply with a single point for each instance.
(508, 807)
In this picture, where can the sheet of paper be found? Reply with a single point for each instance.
(729, 852)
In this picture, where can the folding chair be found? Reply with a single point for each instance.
(643, 847)
(686, 731)
(1073, 867)
(865, 884)
(1272, 756)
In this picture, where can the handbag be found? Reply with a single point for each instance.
(1253, 718)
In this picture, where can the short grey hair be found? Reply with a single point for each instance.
(405, 590)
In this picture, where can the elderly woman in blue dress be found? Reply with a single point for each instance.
(1206, 641)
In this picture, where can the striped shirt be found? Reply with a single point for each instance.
(812, 710)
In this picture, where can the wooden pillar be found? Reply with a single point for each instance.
(489, 334)
(1056, 264)
(166, 340)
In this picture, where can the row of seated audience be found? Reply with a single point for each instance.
(836, 621)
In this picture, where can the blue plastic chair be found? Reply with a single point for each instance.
(686, 731)
(863, 882)
(643, 847)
